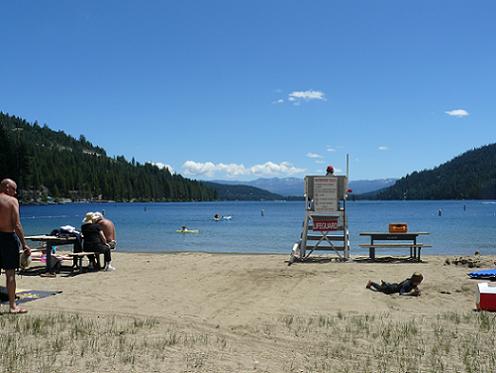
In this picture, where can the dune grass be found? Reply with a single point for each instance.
(61, 342)
(451, 342)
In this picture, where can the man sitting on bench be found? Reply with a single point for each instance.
(94, 239)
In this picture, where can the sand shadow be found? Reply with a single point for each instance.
(63, 271)
(388, 259)
(316, 259)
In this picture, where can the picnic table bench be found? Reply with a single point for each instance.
(78, 258)
(405, 240)
(75, 256)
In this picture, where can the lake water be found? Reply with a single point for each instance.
(463, 227)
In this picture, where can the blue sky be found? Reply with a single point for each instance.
(247, 89)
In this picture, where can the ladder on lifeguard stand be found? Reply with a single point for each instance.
(325, 227)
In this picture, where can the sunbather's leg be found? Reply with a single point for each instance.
(374, 286)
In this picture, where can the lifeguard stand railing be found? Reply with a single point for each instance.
(325, 227)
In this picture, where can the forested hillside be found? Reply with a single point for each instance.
(471, 175)
(48, 163)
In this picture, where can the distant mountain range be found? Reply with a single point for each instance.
(292, 186)
(235, 192)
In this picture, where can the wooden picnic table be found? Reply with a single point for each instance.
(52, 241)
(403, 240)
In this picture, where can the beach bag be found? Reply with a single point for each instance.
(54, 265)
(4, 296)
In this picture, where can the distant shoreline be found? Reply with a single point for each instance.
(179, 201)
(295, 199)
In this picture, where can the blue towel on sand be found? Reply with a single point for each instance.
(485, 273)
(26, 295)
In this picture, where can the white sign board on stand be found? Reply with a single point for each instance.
(325, 226)
(325, 193)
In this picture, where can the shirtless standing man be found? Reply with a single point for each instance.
(10, 234)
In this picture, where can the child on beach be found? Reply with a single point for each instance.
(406, 287)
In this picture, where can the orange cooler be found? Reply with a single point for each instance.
(398, 228)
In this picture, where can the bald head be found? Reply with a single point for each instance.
(8, 186)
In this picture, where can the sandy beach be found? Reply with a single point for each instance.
(235, 313)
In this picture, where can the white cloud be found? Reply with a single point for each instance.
(306, 96)
(329, 149)
(297, 97)
(459, 113)
(320, 161)
(383, 148)
(163, 165)
(314, 155)
(270, 168)
(232, 169)
(198, 168)
(210, 169)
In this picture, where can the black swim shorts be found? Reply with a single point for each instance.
(9, 250)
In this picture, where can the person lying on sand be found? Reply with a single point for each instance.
(406, 287)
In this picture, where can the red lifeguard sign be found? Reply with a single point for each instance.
(325, 223)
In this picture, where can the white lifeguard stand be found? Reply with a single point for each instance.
(325, 227)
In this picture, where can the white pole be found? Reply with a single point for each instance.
(348, 166)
